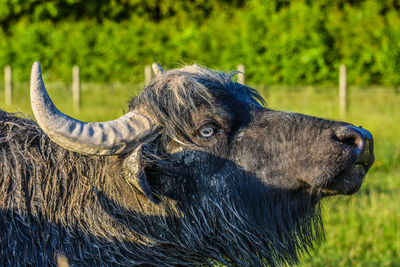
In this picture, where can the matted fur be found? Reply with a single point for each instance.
(181, 200)
(173, 97)
(53, 200)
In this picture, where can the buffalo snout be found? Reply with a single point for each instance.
(360, 140)
(300, 152)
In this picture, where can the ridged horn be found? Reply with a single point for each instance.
(158, 70)
(99, 138)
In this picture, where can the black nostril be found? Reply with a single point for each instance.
(360, 139)
(352, 136)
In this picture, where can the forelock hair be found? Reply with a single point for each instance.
(174, 96)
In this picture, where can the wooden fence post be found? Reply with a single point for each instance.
(76, 94)
(342, 91)
(7, 85)
(241, 70)
(147, 74)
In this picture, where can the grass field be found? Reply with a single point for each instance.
(362, 230)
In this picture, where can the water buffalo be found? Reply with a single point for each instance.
(198, 172)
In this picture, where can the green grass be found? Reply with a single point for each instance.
(362, 230)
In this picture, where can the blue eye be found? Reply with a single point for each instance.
(207, 132)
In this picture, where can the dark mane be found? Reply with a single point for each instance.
(177, 94)
(197, 173)
(77, 192)
(40, 178)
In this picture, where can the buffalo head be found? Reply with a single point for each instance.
(223, 177)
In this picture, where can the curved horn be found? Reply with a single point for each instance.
(100, 138)
(158, 70)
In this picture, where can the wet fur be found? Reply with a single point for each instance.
(211, 210)
(53, 200)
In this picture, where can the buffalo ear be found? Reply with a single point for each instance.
(135, 166)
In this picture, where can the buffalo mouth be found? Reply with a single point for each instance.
(349, 179)
(343, 176)
(347, 182)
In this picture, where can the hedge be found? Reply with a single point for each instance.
(289, 43)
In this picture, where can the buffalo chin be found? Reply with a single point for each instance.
(346, 182)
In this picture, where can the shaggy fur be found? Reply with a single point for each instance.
(241, 197)
(53, 200)
(177, 95)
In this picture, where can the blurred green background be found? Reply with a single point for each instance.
(279, 42)
(291, 51)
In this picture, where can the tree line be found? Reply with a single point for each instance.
(279, 42)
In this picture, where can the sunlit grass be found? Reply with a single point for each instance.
(362, 230)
